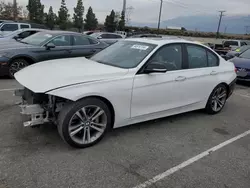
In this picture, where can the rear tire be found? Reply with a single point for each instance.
(217, 99)
(84, 123)
(16, 65)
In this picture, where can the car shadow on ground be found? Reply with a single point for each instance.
(51, 137)
(242, 83)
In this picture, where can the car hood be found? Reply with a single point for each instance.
(49, 75)
(241, 62)
(6, 45)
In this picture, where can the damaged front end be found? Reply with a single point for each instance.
(40, 107)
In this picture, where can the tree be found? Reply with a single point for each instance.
(110, 24)
(121, 25)
(36, 11)
(9, 11)
(78, 15)
(50, 19)
(63, 16)
(91, 20)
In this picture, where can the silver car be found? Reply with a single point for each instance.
(109, 38)
(19, 34)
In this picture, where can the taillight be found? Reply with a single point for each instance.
(235, 69)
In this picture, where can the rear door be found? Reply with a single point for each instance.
(84, 46)
(63, 49)
(200, 76)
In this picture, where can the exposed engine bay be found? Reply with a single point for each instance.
(41, 108)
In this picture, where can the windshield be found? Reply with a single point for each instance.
(124, 54)
(245, 54)
(38, 39)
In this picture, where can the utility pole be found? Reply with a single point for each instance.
(225, 30)
(124, 6)
(159, 21)
(246, 27)
(218, 30)
(15, 10)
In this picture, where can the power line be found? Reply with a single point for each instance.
(218, 30)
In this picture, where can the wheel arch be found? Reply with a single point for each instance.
(107, 102)
(226, 85)
(29, 59)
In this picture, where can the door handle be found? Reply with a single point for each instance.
(213, 73)
(180, 78)
(69, 51)
(93, 50)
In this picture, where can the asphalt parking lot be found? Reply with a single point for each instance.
(130, 156)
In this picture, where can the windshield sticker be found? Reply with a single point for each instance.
(48, 35)
(140, 47)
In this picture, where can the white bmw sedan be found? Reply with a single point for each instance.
(132, 81)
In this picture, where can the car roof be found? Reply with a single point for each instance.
(54, 32)
(33, 29)
(160, 41)
(108, 33)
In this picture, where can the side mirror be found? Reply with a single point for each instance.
(237, 55)
(2, 29)
(155, 67)
(49, 46)
(16, 38)
(99, 37)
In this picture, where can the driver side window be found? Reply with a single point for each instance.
(170, 56)
(61, 41)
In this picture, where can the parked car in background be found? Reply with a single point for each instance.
(109, 38)
(46, 45)
(18, 35)
(122, 33)
(242, 65)
(8, 27)
(90, 32)
(231, 54)
(131, 81)
(228, 45)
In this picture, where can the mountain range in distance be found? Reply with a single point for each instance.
(205, 23)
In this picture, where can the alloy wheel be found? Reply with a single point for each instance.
(87, 124)
(16, 66)
(219, 99)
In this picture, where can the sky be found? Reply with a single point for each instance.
(148, 10)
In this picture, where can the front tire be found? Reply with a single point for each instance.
(84, 123)
(16, 65)
(217, 99)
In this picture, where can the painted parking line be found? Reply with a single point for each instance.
(10, 89)
(190, 161)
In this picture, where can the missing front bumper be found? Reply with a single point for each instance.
(37, 114)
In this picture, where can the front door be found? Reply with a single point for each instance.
(63, 49)
(158, 92)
